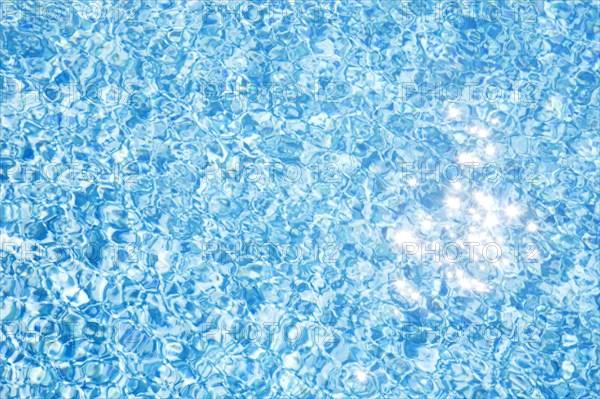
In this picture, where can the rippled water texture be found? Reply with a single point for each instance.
(332, 199)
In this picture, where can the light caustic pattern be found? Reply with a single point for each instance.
(299, 199)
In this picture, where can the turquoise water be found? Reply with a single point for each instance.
(333, 199)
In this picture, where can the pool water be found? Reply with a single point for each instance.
(299, 199)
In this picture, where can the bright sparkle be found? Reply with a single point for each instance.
(361, 376)
(404, 237)
(532, 227)
(426, 224)
(490, 150)
(512, 211)
(467, 157)
(404, 289)
(453, 202)
(412, 182)
(484, 200)
(491, 221)
(468, 283)
(479, 131)
(454, 113)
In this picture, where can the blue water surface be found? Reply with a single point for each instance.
(377, 199)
